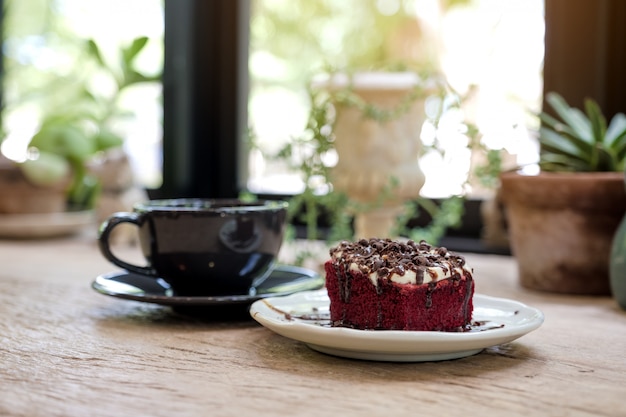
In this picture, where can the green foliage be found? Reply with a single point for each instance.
(74, 88)
(330, 31)
(581, 141)
(446, 215)
(79, 128)
(124, 72)
(47, 170)
(306, 153)
(347, 98)
(489, 172)
(330, 35)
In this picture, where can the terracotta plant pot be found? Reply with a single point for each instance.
(19, 196)
(561, 226)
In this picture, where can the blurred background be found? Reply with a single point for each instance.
(493, 47)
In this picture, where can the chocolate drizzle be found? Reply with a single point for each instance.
(429, 294)
(387, 257)
(341, 270)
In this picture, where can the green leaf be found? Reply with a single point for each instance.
(84, 192)
(64, 140)
(554, 162)
(130, 53)
(557, 125)
(105, 139)
(615, 136)
(560, 144)
(571, 116)
(550, 124)
(597, 121)
(46, 169)
(94, 51)
(605, 161)
(620, 157)
(135, 77)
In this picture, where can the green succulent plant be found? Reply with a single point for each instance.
(581, 141)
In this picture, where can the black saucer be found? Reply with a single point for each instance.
(283, 280)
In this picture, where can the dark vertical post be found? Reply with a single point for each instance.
(585, 53)
(205, 91)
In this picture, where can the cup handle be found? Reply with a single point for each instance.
(104, 234)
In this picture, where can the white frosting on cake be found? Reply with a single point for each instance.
(410, 277)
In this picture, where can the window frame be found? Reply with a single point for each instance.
(205, 92)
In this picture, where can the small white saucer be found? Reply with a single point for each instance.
(305, 317)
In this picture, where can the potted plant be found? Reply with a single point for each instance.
(379, 116)
(57, 173)
(561, 221)
(338, 107)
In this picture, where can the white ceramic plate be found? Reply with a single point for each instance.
(304, 317)
(44, 225)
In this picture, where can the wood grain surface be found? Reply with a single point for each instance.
(66, 350)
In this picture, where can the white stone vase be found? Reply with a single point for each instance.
(378, 160)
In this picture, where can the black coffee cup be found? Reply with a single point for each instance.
(203, 247)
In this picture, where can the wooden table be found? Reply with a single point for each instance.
(66, 350)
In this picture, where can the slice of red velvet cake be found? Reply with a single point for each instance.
(393, 285)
